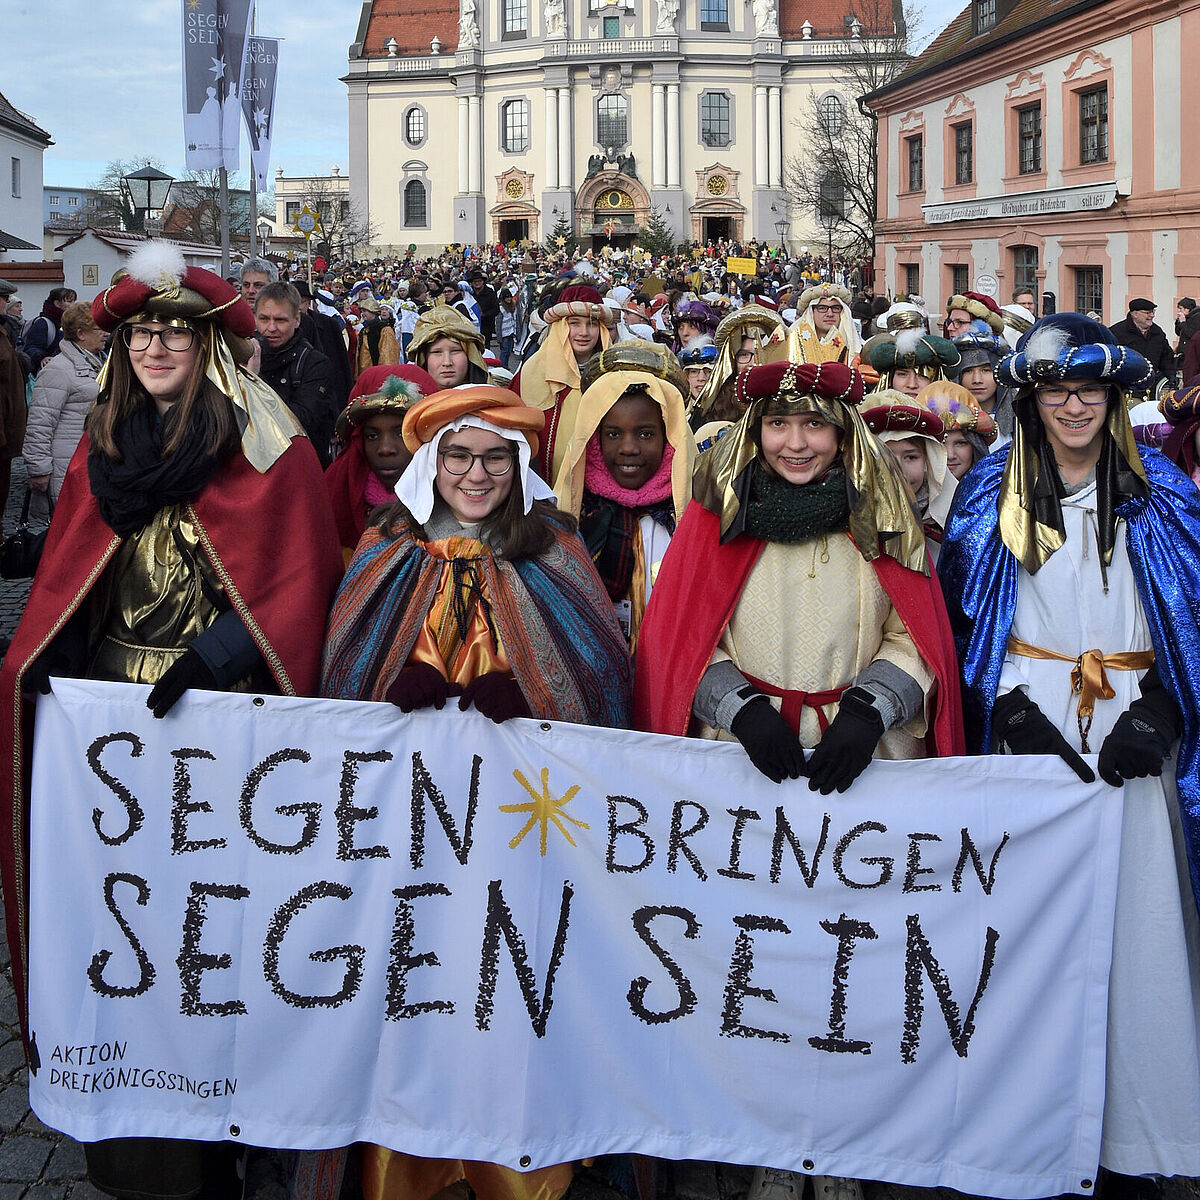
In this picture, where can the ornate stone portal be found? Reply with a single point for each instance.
(514, 216)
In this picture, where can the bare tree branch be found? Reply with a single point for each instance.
(195, 208)
(835, 177)
(344, 226)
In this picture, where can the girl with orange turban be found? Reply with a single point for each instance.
(473, 585)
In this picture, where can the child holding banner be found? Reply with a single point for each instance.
(1072, 571)
(192, 547)
(474, 586)
(795, 608)
(627, 475)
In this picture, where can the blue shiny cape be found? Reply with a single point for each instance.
(979, 577)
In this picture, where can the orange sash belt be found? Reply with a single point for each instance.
(1089, 680)
(794, 702)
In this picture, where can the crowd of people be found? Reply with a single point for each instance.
(828, 529)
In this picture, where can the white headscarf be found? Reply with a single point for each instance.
(416, 487)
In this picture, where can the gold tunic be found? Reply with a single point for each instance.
(157, 594)
(811, 617)
(805, 345)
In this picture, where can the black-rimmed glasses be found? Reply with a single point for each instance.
(1055, 395)
(176, 338)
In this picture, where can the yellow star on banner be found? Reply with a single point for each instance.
(543, 810)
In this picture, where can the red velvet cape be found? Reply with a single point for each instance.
(698, 588)
(277, 553)
(346, 482)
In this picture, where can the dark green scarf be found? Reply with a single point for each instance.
(779, 511)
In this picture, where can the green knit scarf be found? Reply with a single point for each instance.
(790, 512)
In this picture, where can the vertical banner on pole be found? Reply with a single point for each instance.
(202, 72)
(215, 33)
(258, 103)
(235, 36)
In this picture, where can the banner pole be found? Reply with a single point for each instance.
(224, 205)
(250, 150)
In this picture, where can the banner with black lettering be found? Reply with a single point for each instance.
(214, 50)
(258, 103)
(303, 923)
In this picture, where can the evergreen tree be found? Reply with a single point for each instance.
(562, 239)
(656, 236)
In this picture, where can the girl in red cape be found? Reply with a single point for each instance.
(795, 606)
(192, 546)
(373, 455)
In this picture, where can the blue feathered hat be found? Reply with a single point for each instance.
(699, 352)
(1072, 346)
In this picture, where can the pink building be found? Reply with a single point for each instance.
(1041, 144)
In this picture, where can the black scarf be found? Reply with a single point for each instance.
(1116, 481)
(130, 490)
(608, 530)
(779, 511)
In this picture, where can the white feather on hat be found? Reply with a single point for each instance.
(1047, 343)
(907, 341)
(158, 264)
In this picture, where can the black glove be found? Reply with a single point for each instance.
(843, 752)
(37, 678)
(1025, 729)
(769, 740)
(496, 695)
(420, 686)
(189, 670)
(1143, 734)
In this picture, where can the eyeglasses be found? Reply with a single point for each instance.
(958, 323)
(460, 462)
(173, 337)
(830, 310)
(1056, 395)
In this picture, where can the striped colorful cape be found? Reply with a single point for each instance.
(553, 615)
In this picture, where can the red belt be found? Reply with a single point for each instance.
(793, 702)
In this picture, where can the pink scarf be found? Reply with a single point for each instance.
(599, 481)
(375, 493)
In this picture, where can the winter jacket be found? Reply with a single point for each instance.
(1151, 345)
(303, 378)
(63, 394)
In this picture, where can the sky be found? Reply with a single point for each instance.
(102, 77)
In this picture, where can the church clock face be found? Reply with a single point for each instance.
(718, 185)
(515, 189)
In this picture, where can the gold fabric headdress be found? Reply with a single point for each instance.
(880, 509)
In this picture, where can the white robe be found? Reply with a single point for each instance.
(1152, 1096)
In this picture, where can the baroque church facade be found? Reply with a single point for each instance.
(485, 121)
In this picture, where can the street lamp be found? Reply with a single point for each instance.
(783, 227)
(148, 189)
(264, 235)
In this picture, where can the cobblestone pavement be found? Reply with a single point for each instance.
(37, 1163)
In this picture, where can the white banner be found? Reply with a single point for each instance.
(1087, 197)
(301, 923)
